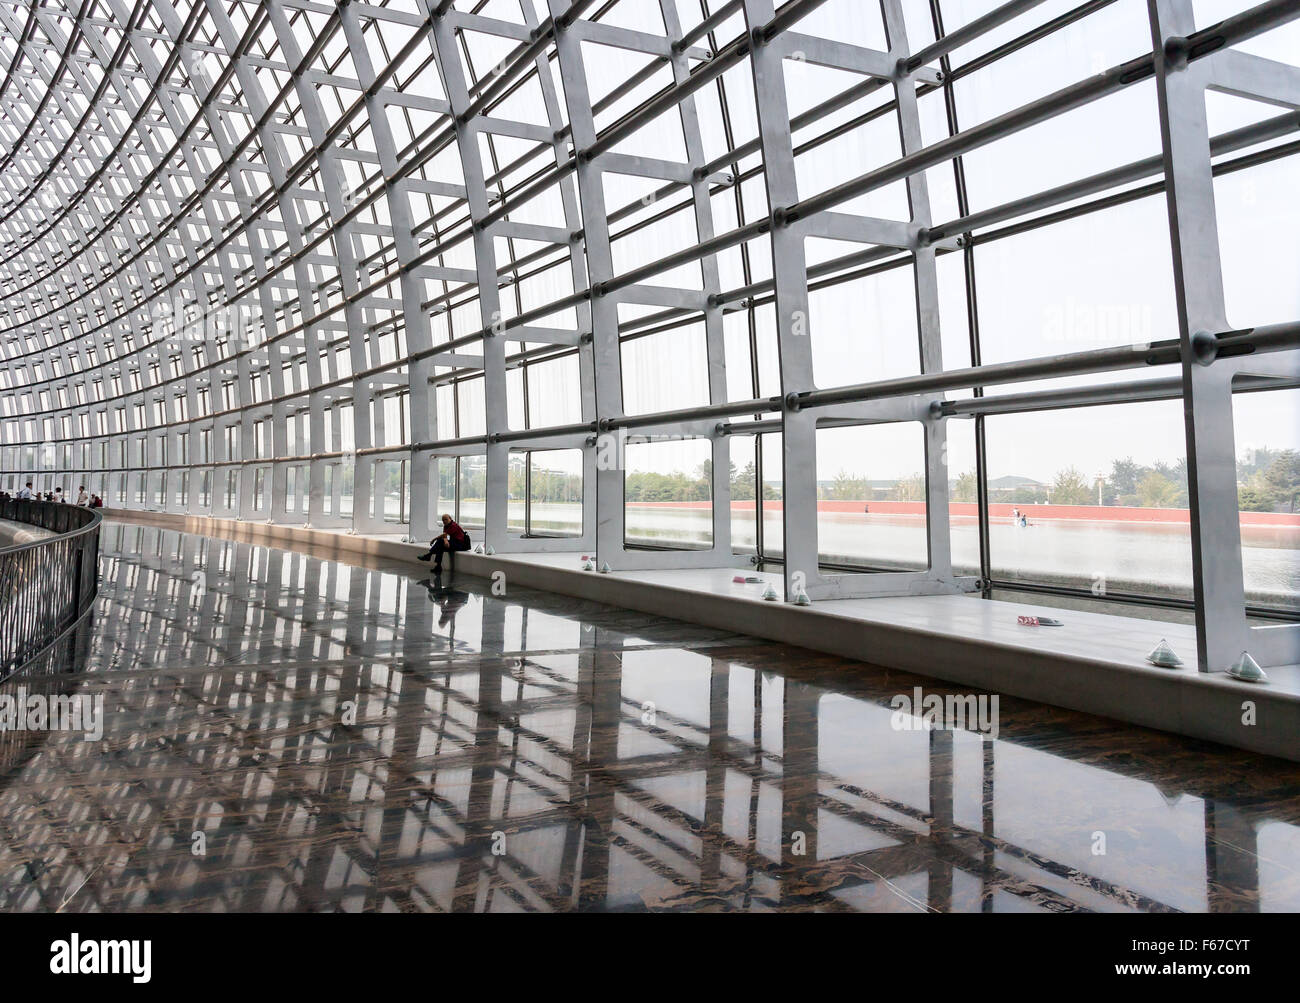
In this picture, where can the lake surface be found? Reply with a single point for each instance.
(1120, 556)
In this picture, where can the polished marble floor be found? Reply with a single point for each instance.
(283, 732)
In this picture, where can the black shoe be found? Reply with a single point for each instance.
(424, 557)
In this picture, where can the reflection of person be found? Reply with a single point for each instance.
(866, 509)
(453, 538)
(449, 601)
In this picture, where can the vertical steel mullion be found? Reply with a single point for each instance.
(747, 276)
(981, 431)
(715, 343)
(1221, 629)
(418, 335)
(972, 311)
(926, 283)
(605, 344)
(496, 505)
(790, 285)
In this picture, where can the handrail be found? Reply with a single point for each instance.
(49, 516)
(46, 585)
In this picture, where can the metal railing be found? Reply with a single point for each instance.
(45, 585)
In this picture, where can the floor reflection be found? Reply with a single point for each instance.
(290, 733)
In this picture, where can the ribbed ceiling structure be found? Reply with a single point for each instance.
(351, 265)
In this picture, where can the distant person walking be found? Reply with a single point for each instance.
(25, 491)
(453, 538)
(82, 497)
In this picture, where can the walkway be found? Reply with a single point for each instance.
(284, 732)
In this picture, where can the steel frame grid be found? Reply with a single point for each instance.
(329, 268)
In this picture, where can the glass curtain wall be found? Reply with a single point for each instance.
(682, 282)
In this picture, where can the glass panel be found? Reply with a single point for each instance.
(1094, 498)
(871, 508)
(963, 498)
(744, 487)
(773, 524)
(1097, 281)
(669, 494)
(555, 492)
(442, 471)
(347, 487)
(1258, 216)
(473, 491)
(1267, 429)
(391, 477)
(663, 372)
(517, 494)
(863, 329)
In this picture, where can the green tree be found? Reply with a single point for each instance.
(1176, 474)
(1254, 496)
(850, 488)
(1157, 490)
(910, 488)
(964, 488)
(517, 483)
(1282, 478)
(1026, 495)
(742, 484)
(1254, 461)
(1070, 488)
(1123, 479)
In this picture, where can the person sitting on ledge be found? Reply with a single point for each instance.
(453, 538)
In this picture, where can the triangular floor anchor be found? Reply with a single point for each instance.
(1163, 656)
(1247, 670)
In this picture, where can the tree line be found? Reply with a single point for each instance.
(1268, 480)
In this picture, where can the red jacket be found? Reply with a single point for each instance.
(453, 530)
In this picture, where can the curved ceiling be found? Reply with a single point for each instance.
(164, 163)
